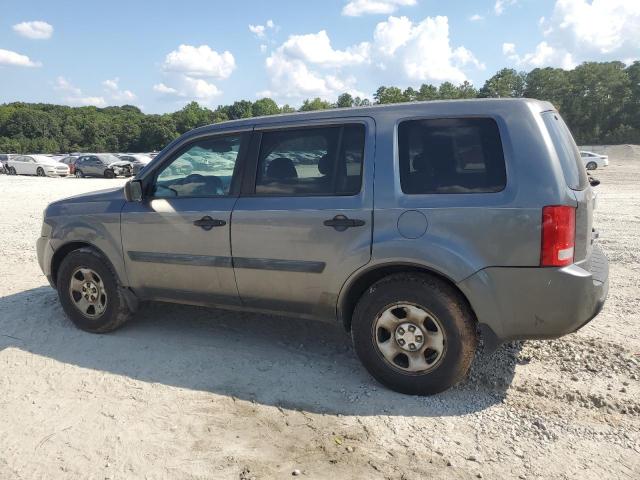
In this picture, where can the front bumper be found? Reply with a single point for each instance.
(537, 303)
(45, 255)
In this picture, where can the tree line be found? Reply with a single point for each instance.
(600, 101)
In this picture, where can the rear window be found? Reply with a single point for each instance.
(451, 155)
(572, 167)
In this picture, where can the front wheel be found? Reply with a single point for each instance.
(109, 174)
(592, 166)
(414, 334)
(89, 292)
(12, 171)
(40, 172)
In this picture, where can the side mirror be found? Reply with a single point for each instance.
(133, 191)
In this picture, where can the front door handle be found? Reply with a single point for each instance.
(341, 223)
(207, 223)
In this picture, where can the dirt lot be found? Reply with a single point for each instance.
(184, 392)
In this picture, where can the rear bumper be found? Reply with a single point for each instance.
(537, 303)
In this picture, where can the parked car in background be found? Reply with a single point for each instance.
(40, 165)
(4, 158)
(137, 160)
(70, 161)
(276, 214)
(593, 160)
(104, 165)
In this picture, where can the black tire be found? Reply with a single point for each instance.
(441, 300)
(79, 173)
(116, 312)
(592, 166)
(12, 171)
(109, 174)
(40, 172)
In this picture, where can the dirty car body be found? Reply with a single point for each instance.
(275, 232)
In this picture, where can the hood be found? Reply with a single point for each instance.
(106, 195)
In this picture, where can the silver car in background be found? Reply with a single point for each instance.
(101, 165)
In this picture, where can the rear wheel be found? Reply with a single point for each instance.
(109, 174)
(79, 173)
(40, 172)
(414, 333)
(592, 166)
(89, 292)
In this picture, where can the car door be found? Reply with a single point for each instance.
(176, 241)
(29, 165)
(303, 224)
(94, 166)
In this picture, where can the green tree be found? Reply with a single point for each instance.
(506, 83)
(345, 100)
(389, 95)
(240, 109)
(315, 104)
(264, 106)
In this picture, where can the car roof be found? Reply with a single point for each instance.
(439, 107)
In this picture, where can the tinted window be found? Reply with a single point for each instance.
(311, 161)
(574, 172)
(204, 169)
(457, 155)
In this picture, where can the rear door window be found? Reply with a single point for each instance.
(451, 155)
(572, 167)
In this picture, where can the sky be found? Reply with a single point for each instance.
(161, 55)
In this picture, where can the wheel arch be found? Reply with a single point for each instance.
(65, 249)
(358, 283)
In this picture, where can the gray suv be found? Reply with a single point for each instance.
(99, 165)
(419, 227)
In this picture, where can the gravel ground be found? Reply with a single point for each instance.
(185, 392)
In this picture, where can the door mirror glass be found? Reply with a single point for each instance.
(133, 191)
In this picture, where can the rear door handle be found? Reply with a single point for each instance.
(207, 223)
(341, 223)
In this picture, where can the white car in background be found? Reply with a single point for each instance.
(40, 165)
(593, 160)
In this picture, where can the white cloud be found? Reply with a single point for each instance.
(501, 5)
(199, 61)
(263, 48)
(356, 8)
(74, 95)
(543, 56)
(88, 101)
(190, 88)
(113, 89)
(508, 48)
(291, 78)
(316, 48)
(476, 17)
(13, 59)
(308, 65)
(257, 30)
(260, 31)
(36, 30)
(63, 85)
(422, 50)
(162, 88)
(597, 27)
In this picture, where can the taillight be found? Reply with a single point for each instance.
(558, 236)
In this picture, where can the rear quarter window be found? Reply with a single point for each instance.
(451, 155)
(575, 175)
